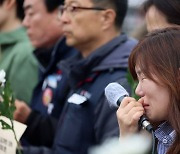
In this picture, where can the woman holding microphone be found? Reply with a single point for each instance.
(155, 63)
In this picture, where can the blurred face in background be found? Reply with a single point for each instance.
(155, 19)
(43, 28)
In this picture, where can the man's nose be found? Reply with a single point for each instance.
(25, 22)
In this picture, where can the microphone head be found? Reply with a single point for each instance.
(113, 92)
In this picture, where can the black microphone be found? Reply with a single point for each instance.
(115, 93)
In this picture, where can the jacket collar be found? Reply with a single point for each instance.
(49, 58)
(78, 68)
(14, 36)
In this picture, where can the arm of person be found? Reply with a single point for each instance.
(23, 73)
(41, 129)
(36, 150)
(106, 125)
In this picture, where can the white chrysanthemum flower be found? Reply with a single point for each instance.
(2, 77)
(136, 144)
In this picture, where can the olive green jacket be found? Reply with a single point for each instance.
(19, 63)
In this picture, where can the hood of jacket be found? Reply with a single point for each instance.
(118, 58)
(17, 35)
(114, 54)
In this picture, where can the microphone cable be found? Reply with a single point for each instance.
(153, 142)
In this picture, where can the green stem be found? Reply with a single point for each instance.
(18, 144)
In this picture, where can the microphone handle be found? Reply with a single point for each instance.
(120, 100)
(145, 124)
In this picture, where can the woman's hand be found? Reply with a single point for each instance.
(128, 115)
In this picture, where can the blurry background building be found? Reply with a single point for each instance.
(134, 23)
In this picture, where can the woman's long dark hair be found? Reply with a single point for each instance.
(159, 54)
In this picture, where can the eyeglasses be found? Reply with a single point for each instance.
(71, 10)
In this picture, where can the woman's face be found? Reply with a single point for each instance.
(155, 19)
(156, 97)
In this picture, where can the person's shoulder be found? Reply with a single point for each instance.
(130, 42)
(21, 40)
(23, 52)
(24, 48)
(127, 46)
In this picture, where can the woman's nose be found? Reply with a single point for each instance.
(139, 90)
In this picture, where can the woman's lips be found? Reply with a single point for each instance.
(145, 106)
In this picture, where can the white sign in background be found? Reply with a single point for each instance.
(7, 141)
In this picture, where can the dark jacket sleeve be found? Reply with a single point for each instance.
(35, 124)
(106, 124)
(36, 150)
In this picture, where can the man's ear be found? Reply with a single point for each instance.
(108, 18)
